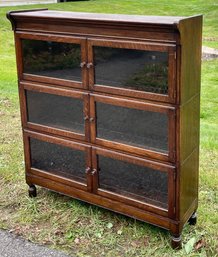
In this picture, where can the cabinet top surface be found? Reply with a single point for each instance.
(97, 17)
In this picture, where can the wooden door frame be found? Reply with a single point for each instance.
(27, 134)
(54, 38)
(128, 44)
(134, 104)
(167, 168)
(40, 88)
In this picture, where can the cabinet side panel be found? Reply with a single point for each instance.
(189, 127)
(189, 115)
(189, 186)
(189, 157)
(191, 44)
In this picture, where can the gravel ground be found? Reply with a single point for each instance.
(14, 246)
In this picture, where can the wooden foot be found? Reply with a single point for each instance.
(193, 219)
(32, 191)
(176, 241)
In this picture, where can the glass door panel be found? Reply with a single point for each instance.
(140, 128)
(130, 179)
(56, 111)
(131, 69)
(52, 59)
(58, 159)
(135, 69)
(133, 126)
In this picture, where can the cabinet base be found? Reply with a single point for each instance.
(32, 191)
(193, 219)
(32, 180)
(176, 241)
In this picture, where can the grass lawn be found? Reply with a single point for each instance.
(82, 229)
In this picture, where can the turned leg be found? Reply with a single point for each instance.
(193, 219)
(176, 241)
(32, 191)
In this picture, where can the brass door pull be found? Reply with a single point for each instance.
(88, 169)
(82, 64)
(93, 172)
(89, 65)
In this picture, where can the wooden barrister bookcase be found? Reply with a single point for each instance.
(110, 110)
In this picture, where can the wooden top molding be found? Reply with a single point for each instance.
(45, 13)
(53, 21)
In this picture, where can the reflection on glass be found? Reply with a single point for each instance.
(144, 129)
(57, 159)
(134, 181)
(131, 69)
(52, 59)
(55, 111)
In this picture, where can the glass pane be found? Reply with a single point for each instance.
(58, 159)
(134, 127)
(132, 69)
(52, 59)
(55, 111)
(134, 181)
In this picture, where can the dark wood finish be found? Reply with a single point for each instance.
(32, 191)
(188, 120)
(57, 177)
(101, 201)
(169, 48)
(176, 242)
(193, 219)
(169, 111)
(34, 87)
(142, 162)
(190, 57)
(53, 38)
(189, 185)
(180, 38)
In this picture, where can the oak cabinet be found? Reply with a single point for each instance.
(110, 110)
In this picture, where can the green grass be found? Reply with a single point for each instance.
(82, 229)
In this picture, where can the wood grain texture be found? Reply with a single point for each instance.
(144, 106)
(189, 181)
(53, 38)
(170, 49)
(102, 201)
(79, 16)
(48, 89)
(191, 44)
(189, 127)
(181, 38)
(101, 24)
(168, 169)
